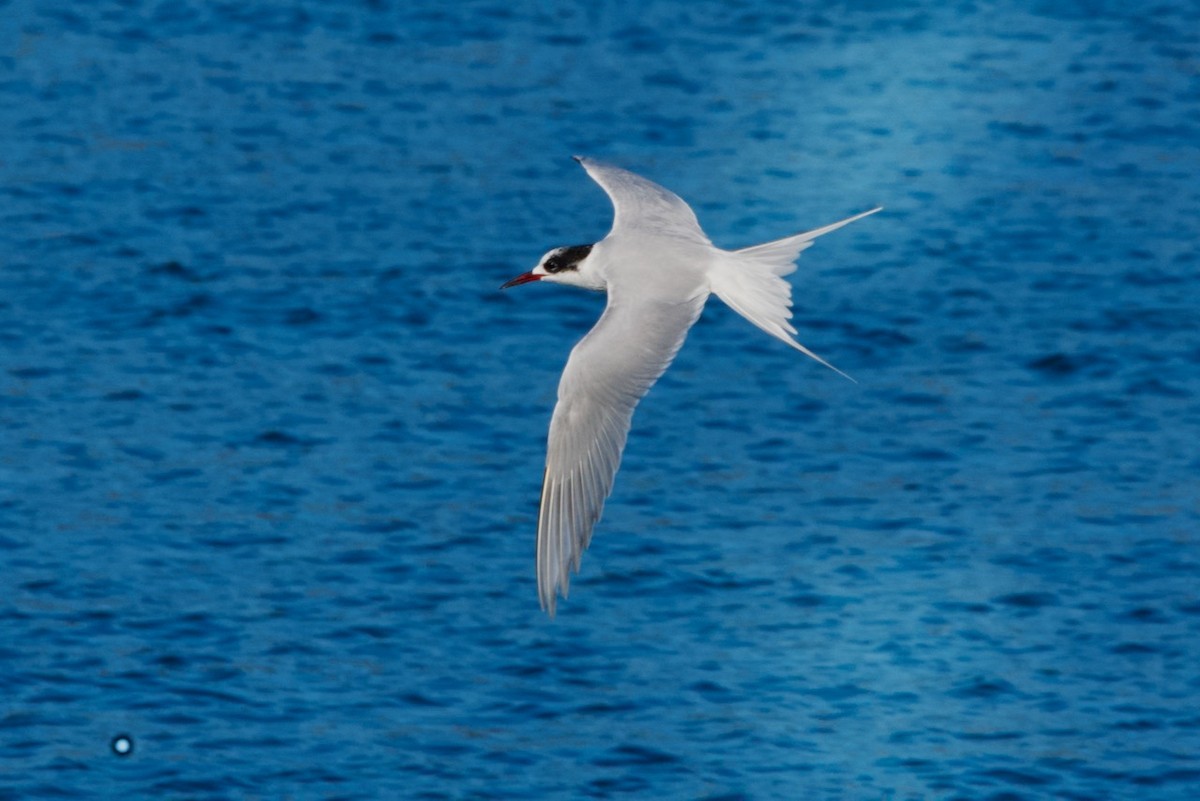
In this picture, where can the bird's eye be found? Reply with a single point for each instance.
(566, 258)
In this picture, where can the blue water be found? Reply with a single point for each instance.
(271, 440)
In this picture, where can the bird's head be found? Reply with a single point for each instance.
(570, 265)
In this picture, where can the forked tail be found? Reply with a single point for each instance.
(750, 281)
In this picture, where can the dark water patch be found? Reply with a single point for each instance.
(1115, 519)
(1151, 277)
(909, 763)
(523, 669)
(1001, 796)
(1019, 129)
(217, 787)
(605, 709)
(144, 453)
(1141, 724)
(983, 688)
(963, 343)
(715, 580)
(175, 474)
(366, 632)
(839, 692)
(1166, 777)
(525, 710)
(31, 372)
(918, 399)
(990, 736)
(510, 758)
(769, 451)
(214, 330)
(1132, 319)
(880, 524)
(186, 214)
(301, 316)
(205, 696)
(713, 692)
(674, 80)
(929, 455)
(176, 270)
(275, 438)
(617, 786)
(641, 39)
(241, 539)
(853, 572)
(388, 526)
(1144, 614)
(1038, 559)
(810, 600)
(355, 556)
(294, 648)
(1063, 365)
(630, 755)
(958, 607)
(837, 502)
(419, 700)
(374, 360)
(191, 305)
(1155, 387)
(1027, 600)
(171, 661)
(234, 744)
(125, 395)
(414, 483)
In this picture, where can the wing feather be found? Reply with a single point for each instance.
(642, 205)
(608, 373)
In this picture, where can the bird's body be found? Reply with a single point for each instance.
(658, 269)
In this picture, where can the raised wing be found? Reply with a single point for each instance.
(609, 371)
(642, 205)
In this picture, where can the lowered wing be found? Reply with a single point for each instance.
(609, 372)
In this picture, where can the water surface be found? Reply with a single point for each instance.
(271, 441)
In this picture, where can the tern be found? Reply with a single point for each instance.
(658, 268)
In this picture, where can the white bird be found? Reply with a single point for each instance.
(658, 268)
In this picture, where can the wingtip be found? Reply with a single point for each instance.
(548, 604)
(579, 159)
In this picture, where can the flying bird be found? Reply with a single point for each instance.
(658, 268)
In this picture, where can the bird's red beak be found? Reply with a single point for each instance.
(523, 278)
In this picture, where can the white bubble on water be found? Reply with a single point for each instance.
(122, 745)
